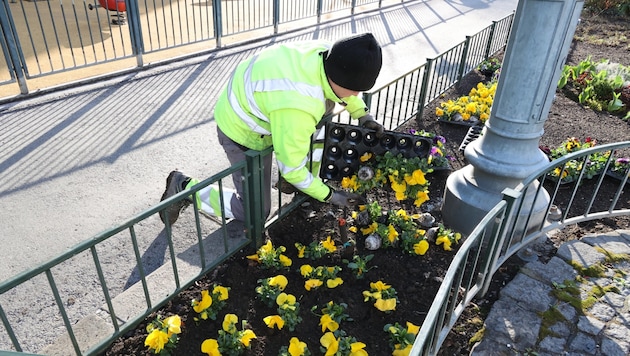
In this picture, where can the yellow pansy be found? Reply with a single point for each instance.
(412, 328)
(398, 187)
(421, 197)
(203, 304)
(173, 324)
(229, 322)
(210, 347)
(221, 291)
(254, 258)
(353, 229)
(247, 337)
(329, 245)
(392, 234)
(330, 343)
(301, 249)
(332, 283)
(297, 347)
(379, 285)
(306, 270)
(439, 112)
(370, 229)
(327, 322)
(312, 283)
(402, 352)
(279, 281)
(385, 304)
(421, 247)
(274, 320)
(357, 349)
(365, 157)
(285, 261)
(444, 241)
(156, 340)
(284, 298)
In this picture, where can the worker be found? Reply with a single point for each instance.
(277, 98)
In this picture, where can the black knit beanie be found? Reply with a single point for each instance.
(354, 62)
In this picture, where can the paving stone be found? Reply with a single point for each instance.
(560, 329)
(582, 253)
(584, 343)
(618, 331)
(613, 299)
(602, 311)
(510, 324)
(554, 345)
(567, 310)
(590, 325)
(529, 292)
(625, 234)
(611, 347)
(554, 271)
(611, 241)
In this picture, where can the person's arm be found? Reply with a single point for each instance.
(359, 111)
(291, 131)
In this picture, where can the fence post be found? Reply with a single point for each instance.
(354, 4)
(464, 60)
(16, 66)
(320, 5)
(510, 196)
(486, 53)
(218, 25)
(423, 88)
(253, 194)
(276, 16)
(135, 31)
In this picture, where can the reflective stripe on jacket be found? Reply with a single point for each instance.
(277, 98)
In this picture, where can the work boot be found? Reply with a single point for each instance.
(175, 183)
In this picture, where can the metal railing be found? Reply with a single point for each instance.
(411, 91)
(405, 97)
(522, 217)
(42, 38)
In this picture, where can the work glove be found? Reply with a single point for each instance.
(368, 122)
(343, 198)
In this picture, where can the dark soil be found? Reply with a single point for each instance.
(415, 278)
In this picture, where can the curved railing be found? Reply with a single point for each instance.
(537, 206)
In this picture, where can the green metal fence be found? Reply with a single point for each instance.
(42, 38)
(393, 104)
(405, 97)
(522, 217)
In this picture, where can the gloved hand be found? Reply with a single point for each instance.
(368, 122)
(343, 198)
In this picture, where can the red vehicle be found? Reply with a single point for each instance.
(117, 6)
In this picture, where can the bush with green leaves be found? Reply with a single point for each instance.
(600, 85)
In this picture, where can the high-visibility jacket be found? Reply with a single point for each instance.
(277, 98)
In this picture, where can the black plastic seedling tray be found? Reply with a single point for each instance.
(345, 144)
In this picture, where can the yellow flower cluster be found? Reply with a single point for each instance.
(315, 277)
(163, 334)
(447, 237)
(271, 257)
(334, 345)
(402, 338)
(477, 103)
(405, 176)
(384, 296)
(288, 310)
(210, 304)
(231, 340)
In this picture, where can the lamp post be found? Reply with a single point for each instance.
(507, 151)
